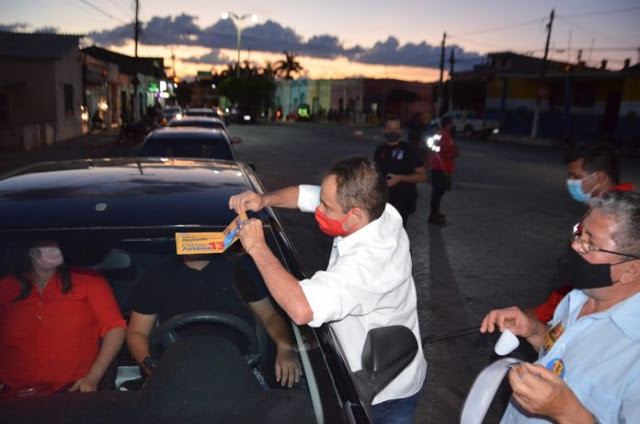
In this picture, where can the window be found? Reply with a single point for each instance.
(68, 100)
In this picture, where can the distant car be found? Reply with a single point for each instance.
(121, 217)
(202, 111)
(243, 114)
(205, 143)
(171, 112)
(468, 123)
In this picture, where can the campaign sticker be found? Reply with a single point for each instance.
(211, 242)
(556, 365)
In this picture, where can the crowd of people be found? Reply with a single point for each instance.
(586, 333)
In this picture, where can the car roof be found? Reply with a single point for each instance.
(187, 132)
(203, 119)
(122, 192)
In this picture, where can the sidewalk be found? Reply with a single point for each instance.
(90, 145)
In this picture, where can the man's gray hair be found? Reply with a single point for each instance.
(624, 207)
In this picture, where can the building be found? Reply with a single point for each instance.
(40, 89)
(575, 100)
(153, 86)
(357, 100)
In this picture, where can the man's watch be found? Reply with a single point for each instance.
(149, 363)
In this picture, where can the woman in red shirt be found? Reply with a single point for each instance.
(51, 321)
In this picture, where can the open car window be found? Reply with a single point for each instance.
(123, 256)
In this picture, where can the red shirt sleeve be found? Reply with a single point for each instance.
(544, 311)
(102, 303)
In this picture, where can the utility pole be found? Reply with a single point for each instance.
(536, 112)
(451, 62)
(440, 85)
(136, 82)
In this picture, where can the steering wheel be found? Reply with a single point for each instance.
(165, 335)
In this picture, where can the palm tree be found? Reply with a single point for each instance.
(288, 65)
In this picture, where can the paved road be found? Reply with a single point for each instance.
(509, 220)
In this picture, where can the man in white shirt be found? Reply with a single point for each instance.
(368, 281)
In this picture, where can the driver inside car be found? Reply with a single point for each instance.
(217, 283)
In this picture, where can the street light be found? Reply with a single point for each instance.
(237, 22)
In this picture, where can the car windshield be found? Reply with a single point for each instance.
(196, 370)
(184, 147)
(201, 112)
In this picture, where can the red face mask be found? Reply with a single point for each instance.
(331, 227)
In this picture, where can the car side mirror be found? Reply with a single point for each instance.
(387, 351)
(236, 140)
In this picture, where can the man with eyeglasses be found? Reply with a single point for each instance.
(588, 368)
(591, 172)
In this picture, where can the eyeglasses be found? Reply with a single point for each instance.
(586, 247)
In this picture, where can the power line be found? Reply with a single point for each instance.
(121, 8)
(602, 12)
(103, 12)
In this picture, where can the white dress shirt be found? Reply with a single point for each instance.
(367, 284)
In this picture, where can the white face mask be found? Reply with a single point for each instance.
(48, 257)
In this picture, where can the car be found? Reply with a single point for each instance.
(203, 122)
(469, 123)
(201, 111)
(243, 114)
(119, 217)
(189, 142)
(171, 112)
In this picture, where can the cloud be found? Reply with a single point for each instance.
(213, 58)
(270, 36)
(46, 30)
(15, 27)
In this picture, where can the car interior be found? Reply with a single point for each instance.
(204, 370)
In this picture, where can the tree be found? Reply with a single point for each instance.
(289, 65)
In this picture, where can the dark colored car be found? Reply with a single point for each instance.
(243, 114)
(188, 143)
(201, 111)
(119, 217)
(203, 122)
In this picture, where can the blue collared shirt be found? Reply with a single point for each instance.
(600, 353)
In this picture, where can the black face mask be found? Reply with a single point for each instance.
(575, 271)
(392, 137)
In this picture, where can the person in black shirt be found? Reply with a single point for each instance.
(402, 167)
(206, 282)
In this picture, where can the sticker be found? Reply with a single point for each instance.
(556, 365)
(206, 243)
(551, 337)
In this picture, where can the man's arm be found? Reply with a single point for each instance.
(252, 201)
(111, 344)
(287, 368)
(419, 175)
(516, 321)
(283, 286)
(140, 326)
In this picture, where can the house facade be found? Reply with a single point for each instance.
(40, 89)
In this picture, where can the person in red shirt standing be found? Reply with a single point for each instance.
(441, 163)
(51, 321)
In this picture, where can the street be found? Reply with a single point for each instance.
(509, 219)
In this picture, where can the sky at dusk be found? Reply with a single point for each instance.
(337, 39)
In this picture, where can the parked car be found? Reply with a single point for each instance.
(120, 217)
(203, 122)
(201, 111)
(192, 142)
(468, 123)
(171, 112)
